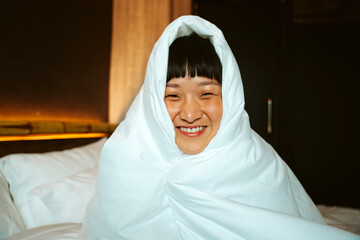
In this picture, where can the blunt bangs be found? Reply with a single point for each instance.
(193, 56)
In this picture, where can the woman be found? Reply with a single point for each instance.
(193, 92)
(185, 164)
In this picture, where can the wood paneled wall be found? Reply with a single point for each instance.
(55, 57)
(180, 8)
(137, 25)
(55, 60)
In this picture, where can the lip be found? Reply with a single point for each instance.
(187, 134)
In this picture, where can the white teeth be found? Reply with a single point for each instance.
(191, 130)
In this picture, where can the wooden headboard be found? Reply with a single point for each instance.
(39, 137)
(40, 146)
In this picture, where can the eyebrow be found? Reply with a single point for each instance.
(213, 82)
(174, 85)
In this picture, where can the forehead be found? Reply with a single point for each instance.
(196, 81)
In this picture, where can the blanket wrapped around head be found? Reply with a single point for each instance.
(237, 188)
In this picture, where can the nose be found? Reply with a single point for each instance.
(190, 111)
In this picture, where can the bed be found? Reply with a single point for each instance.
(44, 195)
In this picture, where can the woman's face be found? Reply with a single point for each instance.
(195, 108)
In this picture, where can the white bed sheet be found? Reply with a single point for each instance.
(341, 217)
(61, 231)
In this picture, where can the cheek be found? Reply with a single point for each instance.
(214, 110)
(172, 109)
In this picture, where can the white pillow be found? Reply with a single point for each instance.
(25, 172)
(62, 201)
(10, 220)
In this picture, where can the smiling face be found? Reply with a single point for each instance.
(195, 108)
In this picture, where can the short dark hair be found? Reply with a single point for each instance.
(193, 56)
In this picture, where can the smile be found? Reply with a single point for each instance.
(192, 132)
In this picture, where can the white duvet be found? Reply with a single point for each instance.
(237, 188)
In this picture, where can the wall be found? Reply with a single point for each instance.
(136, 27)
(54, 60)
(55, 56)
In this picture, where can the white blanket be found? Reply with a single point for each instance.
(237, 188)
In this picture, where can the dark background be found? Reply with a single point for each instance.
(304, 55)
(54, 59)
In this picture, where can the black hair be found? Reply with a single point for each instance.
(193, 56)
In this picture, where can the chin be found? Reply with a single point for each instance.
(192, 151)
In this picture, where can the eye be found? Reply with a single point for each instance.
(172, 97)
(207, 95)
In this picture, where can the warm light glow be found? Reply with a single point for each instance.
(50, 117)
(52, 136)
(137, 25)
